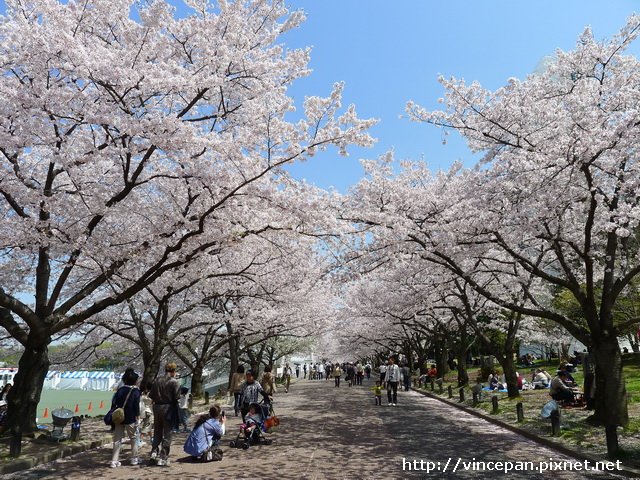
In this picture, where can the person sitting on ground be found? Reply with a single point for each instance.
(570, 381)
(432, 373)
(540, 380)
(3, 416)
(560, 390)
(4, 394)
(494, 382)
(207, 432)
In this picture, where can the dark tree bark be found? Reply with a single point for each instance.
(24, 397)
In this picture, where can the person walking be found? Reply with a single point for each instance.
(165, 392)
(126, 397)
(286, 375)
(267, 381)
(359, 373)
(406, 377)
(320, 370)
(297, 370)
(304, 369)
(236, 384)
(383, 374)
(393, 378)
(337, 372)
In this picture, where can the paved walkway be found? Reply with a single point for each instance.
(334, 434)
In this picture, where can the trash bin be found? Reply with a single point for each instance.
(60, 417)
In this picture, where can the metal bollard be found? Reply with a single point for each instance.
(494, 403)
(206, 398)
(520, 412)
(462, 395)
(433, 384)
(15, 445)
(555, 423)
(476, 399)
(450, 389)
(75, 429)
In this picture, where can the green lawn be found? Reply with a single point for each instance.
(53, 399)
(576, 431)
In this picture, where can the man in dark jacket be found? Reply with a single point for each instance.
(164, 393)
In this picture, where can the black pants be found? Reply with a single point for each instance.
(392, 387)
(337, 381)
(563, 395)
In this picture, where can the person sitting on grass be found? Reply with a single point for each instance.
(3, 416)
(540, 380)
(494, 382)
(570, 381)
(560, 391)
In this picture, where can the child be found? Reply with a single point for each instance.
(251, 420)
(183, 405)
(377, 391)
(146, 414)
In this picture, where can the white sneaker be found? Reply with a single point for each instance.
(135, 461)
(389, 404)
(163, 462)
(115, 464)
(394, 404)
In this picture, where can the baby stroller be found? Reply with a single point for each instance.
(252, 431)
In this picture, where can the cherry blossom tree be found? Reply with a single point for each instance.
(559, 190)
(131, 145)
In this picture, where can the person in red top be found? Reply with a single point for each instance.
(432, 372)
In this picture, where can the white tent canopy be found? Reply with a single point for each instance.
(80, 380)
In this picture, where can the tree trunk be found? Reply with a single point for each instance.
(24, 396)
(611, 394)
(441, 359)
(463, 376)
(197, 382)
(509, 367)
(151, 370)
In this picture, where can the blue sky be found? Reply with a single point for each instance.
(389, 52)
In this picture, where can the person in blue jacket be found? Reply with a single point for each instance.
(128, 398)
(206, 432)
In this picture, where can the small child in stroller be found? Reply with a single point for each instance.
(253, 427)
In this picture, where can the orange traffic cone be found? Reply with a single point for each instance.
(46, 413)
(77, 409)
(101, 404)
(90, 407)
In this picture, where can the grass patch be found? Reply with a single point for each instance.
(575, 433)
